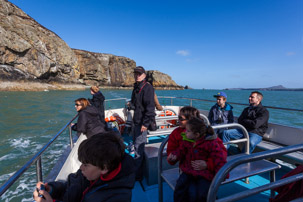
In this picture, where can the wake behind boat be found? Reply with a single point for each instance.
(160, 176)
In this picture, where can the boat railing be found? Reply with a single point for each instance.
(234, 103)
(37, 159)
(107, 102)
(223, 172)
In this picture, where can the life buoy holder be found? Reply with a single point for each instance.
(168, 112)
(116, 118)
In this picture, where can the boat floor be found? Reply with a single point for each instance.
(150, 193)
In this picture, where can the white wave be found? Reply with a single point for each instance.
(8, 157)
(20, 143)
(6, 176)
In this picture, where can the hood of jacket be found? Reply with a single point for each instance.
(227, 107)
(90, 110)
(98, 95)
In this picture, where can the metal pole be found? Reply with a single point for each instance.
(272, 179)
(39, 170)
(70, 136)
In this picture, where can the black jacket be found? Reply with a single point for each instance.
(98, 102)
(144, 103)
(117, 189)
(89, 122)
(255, 119)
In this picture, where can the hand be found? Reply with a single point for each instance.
(143, 128)
(171, 157)
(199, 165)
(46, 195)
(72, 124)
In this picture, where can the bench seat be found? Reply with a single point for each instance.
(240, 172)
(293, 158)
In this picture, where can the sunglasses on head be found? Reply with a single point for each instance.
(181, 118)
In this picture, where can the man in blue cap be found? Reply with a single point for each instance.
(221, 112)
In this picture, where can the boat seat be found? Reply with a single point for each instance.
(278, 136)
(240, 172)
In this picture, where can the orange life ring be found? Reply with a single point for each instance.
(168, 113)
(109, 119)
(120, 121)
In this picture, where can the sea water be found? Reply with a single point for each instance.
(29, 119)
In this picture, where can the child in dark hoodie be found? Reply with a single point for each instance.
(199, 143)
(98, 101)
(106, 174)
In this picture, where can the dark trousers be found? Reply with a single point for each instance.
(191, 189)
(139, 144)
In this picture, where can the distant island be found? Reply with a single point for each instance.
(273, 88)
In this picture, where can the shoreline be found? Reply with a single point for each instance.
(21, 86)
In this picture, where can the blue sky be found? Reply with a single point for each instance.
(203, 44)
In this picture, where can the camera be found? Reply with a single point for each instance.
(42, 187)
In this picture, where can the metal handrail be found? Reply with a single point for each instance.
(236, 125)
(108, 100)
(222, 173)
(235, 103)
(36, 158)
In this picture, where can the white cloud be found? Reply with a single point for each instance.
(183, 52)
(290, 53)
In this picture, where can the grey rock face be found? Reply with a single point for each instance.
(31, 52)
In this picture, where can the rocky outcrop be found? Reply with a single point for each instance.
(31, 52)
(162, 81)
(115, 71)
(105, 69)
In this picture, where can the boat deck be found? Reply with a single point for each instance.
(151, 192)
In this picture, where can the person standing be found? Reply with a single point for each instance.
(255, 120)
(98, 102)
(142, 101)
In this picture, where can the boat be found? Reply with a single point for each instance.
(253, 176)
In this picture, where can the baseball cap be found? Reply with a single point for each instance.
(139, 69)
(221, 94)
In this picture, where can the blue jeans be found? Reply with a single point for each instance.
(235, 134)
(191, 189)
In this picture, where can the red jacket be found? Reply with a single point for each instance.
(208, 148)
(292, 190)
(174, 141)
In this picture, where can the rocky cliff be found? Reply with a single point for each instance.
(114, 71)
(31, 52)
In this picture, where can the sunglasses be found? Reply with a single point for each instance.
(181, 119)
(78, 105)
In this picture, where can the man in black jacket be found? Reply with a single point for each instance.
(142, 101)
(255, 120)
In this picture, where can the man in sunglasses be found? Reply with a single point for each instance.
(142, 101)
